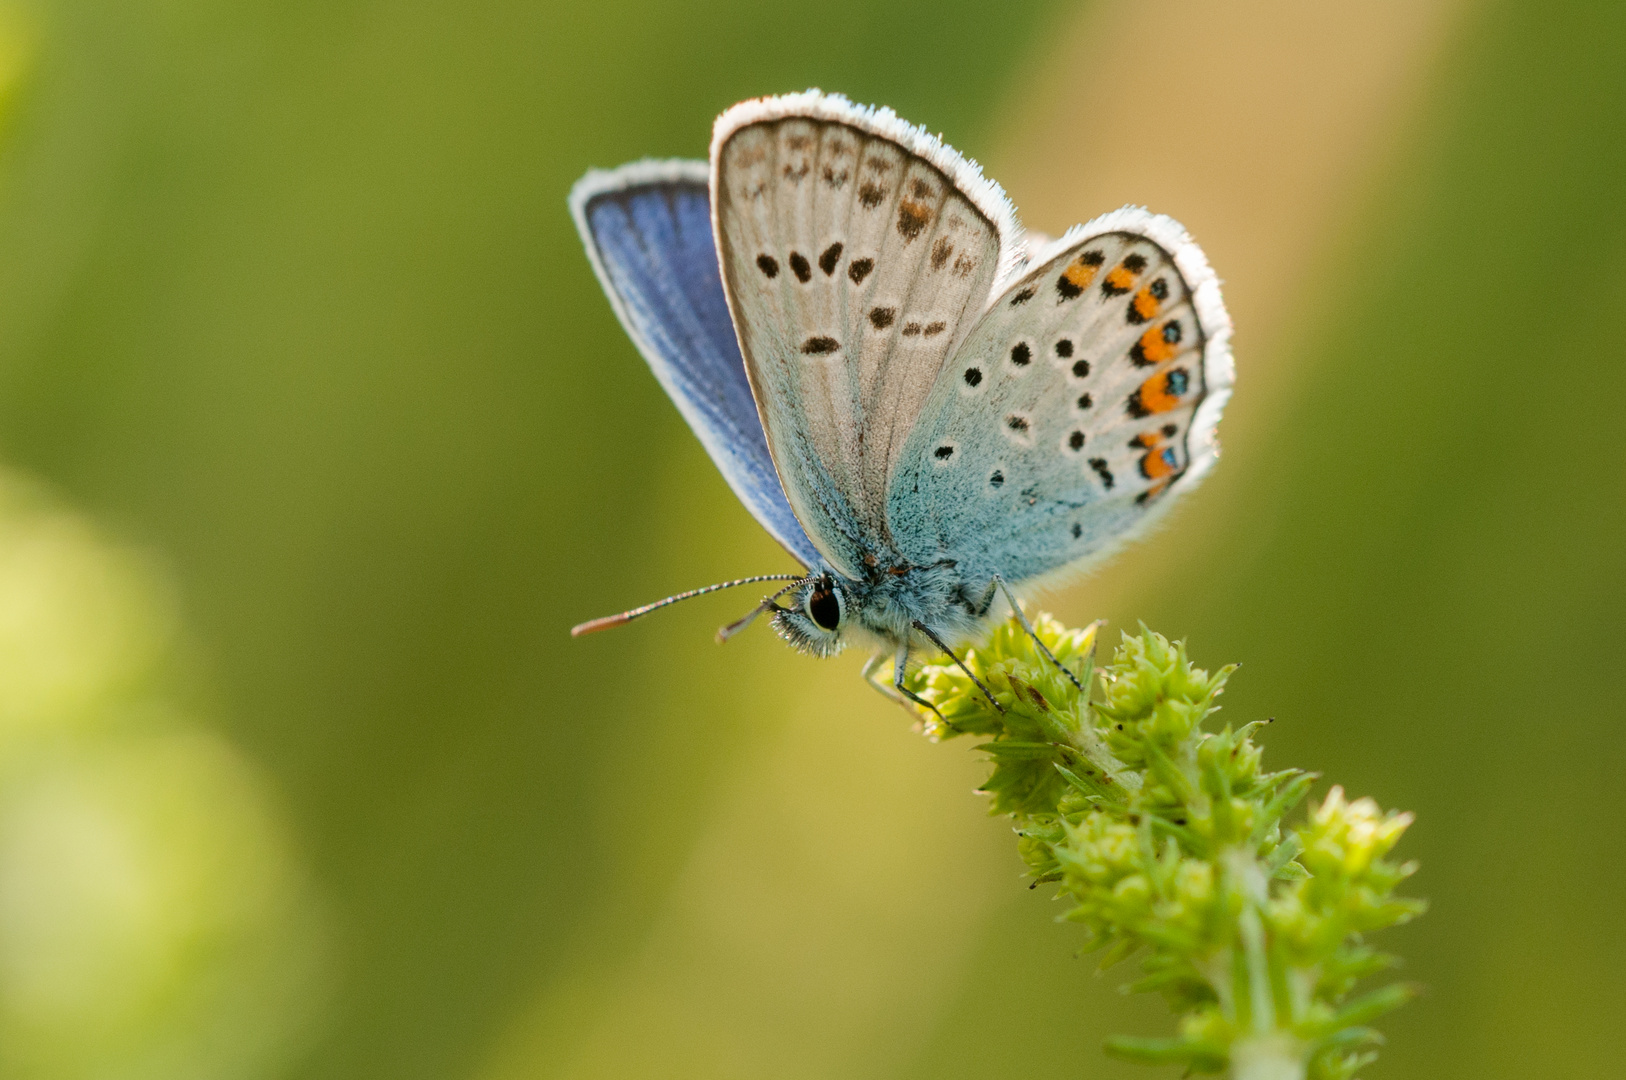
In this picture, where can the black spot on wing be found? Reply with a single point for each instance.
(859, 269)
(831, 257)
(882, 317)
(913, 218)
(800, 267)
(1101, 470)
(818, 346)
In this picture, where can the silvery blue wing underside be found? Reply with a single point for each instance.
(647, 227)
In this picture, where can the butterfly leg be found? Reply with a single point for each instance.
(1022, 618)
(897, 691)
(924, 629)
(750, 616)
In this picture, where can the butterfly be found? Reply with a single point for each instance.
(927, 410)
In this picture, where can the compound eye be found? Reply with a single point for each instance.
(823, 607)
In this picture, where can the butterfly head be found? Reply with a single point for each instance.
(815, 621)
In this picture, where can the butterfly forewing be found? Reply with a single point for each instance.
(647, 227)
(1067, 417)
(853, 266)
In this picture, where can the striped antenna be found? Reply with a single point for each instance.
(593, 626)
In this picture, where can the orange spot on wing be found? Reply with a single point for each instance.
(1145, 304)
(1079, 274)
(1158, 464)
(1153, 347)
(1160, 393)
(1119, 281)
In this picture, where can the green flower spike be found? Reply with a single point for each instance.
(1170, 842)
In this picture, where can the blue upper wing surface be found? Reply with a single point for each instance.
(647, 227)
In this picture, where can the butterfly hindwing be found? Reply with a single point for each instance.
(1077, 407)
(856, 252)
(647, 227)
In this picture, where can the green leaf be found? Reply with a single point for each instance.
(1279, 863)
(1290, 795)
(1290, 871)
(1011, 750)
(1355, 1036)
(1200, 1056)
(1371, 1006)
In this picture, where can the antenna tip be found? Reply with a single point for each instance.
(592, 626)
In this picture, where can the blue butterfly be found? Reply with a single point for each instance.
(923, 408)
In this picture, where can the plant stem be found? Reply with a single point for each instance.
(1277, 1056)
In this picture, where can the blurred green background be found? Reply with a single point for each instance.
(317, 435)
